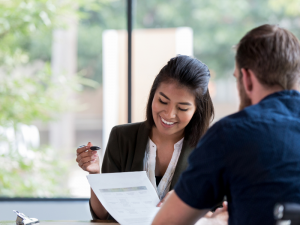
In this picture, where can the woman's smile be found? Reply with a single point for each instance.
(166, 123)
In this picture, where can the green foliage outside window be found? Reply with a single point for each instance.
(29, 92)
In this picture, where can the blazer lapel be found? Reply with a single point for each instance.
(182, 163)
(141, 143)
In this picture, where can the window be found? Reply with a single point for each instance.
(55, 60)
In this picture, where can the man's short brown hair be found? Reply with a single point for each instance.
(273, 54)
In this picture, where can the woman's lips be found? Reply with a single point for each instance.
(166, 125)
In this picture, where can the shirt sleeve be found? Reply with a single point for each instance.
(202, 186)
(111, 161)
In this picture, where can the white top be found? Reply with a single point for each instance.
(149, 166)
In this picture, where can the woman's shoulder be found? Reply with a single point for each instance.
(130, 126)
(126, 148)
(131, 129)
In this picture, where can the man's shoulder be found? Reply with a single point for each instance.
(265, 111)
(233, 123)
(235, 118)
(272, 114)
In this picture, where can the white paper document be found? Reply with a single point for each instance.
(129, 197)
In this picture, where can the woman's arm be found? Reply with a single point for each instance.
(88, 160)
(97, 208)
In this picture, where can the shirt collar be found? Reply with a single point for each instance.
(282, 93)
(177, 145)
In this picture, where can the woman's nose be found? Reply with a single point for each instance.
(170, 112)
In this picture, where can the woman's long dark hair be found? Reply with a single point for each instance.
(194, 75)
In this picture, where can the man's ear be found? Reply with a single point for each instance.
(247, 80)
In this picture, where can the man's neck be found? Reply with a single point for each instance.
(263, 92)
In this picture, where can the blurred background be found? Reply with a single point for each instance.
(63, 68)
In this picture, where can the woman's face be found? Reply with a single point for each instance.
(173, 107)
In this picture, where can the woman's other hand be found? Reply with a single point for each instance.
(88, 159)
(219, 217)
(221, 213)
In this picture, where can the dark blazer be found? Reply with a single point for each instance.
(125, 151)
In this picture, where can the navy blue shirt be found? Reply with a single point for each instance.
(252, 157)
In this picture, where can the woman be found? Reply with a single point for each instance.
(179, 111)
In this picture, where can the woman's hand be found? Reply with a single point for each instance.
(88, 159)
(164, 199)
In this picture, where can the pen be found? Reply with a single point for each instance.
(94, 148)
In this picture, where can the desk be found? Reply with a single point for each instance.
(67, 222)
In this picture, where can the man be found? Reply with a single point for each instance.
(251, 157)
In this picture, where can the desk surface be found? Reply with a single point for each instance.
(67, 222)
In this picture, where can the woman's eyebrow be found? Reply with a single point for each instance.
(164, 95)
(181, 103)
(184, 103)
